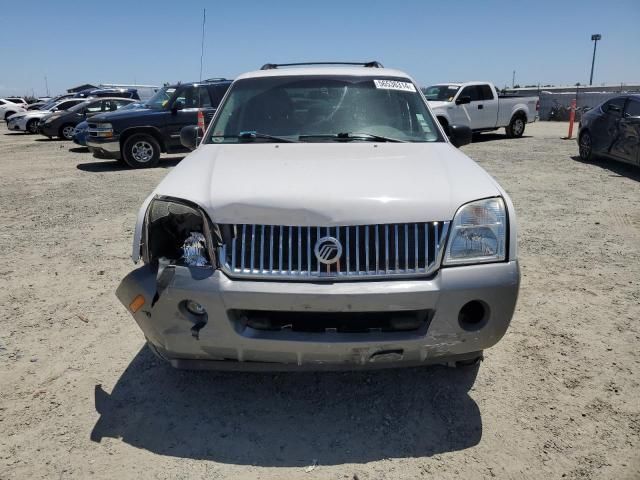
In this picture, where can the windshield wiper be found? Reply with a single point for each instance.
(346, 136)
(250, 135)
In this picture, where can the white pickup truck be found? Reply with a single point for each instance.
(478, 105)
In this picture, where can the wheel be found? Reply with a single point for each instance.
(141, 151)
(66, 131)
(32, 126)
(585, 146)
(515, 129)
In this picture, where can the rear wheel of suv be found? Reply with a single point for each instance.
(66, 131)
(141, 151)
(32, 126)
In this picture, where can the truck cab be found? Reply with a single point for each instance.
(138, 136)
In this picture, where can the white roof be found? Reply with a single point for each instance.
(330, 70)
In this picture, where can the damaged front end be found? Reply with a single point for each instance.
(176, 232)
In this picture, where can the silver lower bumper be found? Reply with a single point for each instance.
(223, 341)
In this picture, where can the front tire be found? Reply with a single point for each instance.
(585, 146)
(516, 126)
(32, 126)
(66, 131)
(141, 151)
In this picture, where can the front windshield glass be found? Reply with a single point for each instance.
(324, 108)
(441, 93)
(161, 98)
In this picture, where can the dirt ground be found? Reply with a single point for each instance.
(80, 396)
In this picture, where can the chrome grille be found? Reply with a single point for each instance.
(368, 251)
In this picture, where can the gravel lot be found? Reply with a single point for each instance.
(558, 397)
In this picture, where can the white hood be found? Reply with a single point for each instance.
(438, 104)
(328, 184)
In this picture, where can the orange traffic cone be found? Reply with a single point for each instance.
(201, 121)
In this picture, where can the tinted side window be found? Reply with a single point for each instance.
(614, 106)
(633, 109)
(193, 97)
(485, 92)
(217, 92)
(65, 105)
(470, 91)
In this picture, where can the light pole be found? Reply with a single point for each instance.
(595, 38)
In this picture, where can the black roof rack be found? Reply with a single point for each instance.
(271, 66)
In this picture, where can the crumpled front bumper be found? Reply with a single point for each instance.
(224, 343)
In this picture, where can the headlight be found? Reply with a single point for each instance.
(478, 233)
(177, 232)
(102, 130)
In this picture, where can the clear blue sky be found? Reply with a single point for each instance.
(151, 42)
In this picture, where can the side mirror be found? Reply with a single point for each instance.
(463, 100)
(460, 135)
(190, 136)
(178, 105)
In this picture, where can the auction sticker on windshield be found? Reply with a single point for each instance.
(394, 85)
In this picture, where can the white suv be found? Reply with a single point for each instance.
(325, 221)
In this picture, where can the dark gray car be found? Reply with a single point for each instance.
(62, 124)
(612, 130)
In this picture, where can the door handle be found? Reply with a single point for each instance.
(480, 107)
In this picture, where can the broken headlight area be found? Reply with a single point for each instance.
(179, 233)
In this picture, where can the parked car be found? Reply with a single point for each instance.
(18, 101)
(63, 123)
(139, 135)
(325, 221)
(108, 92)
(36, 105)
(28, 120)
(479, 105)
(8, 108)
(612, 130)
(81, 131)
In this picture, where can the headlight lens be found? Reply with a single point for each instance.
(103, 130)
(478, 233)
(178, 232)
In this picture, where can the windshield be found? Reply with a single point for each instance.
(161, 98)
(442, 93)
(323, 108)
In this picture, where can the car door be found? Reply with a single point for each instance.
(470, 114)
(189, 99)
(487, 107)
(626, 145)
(604, 129)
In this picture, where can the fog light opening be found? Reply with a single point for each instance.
(473, 315)
(194, 307)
